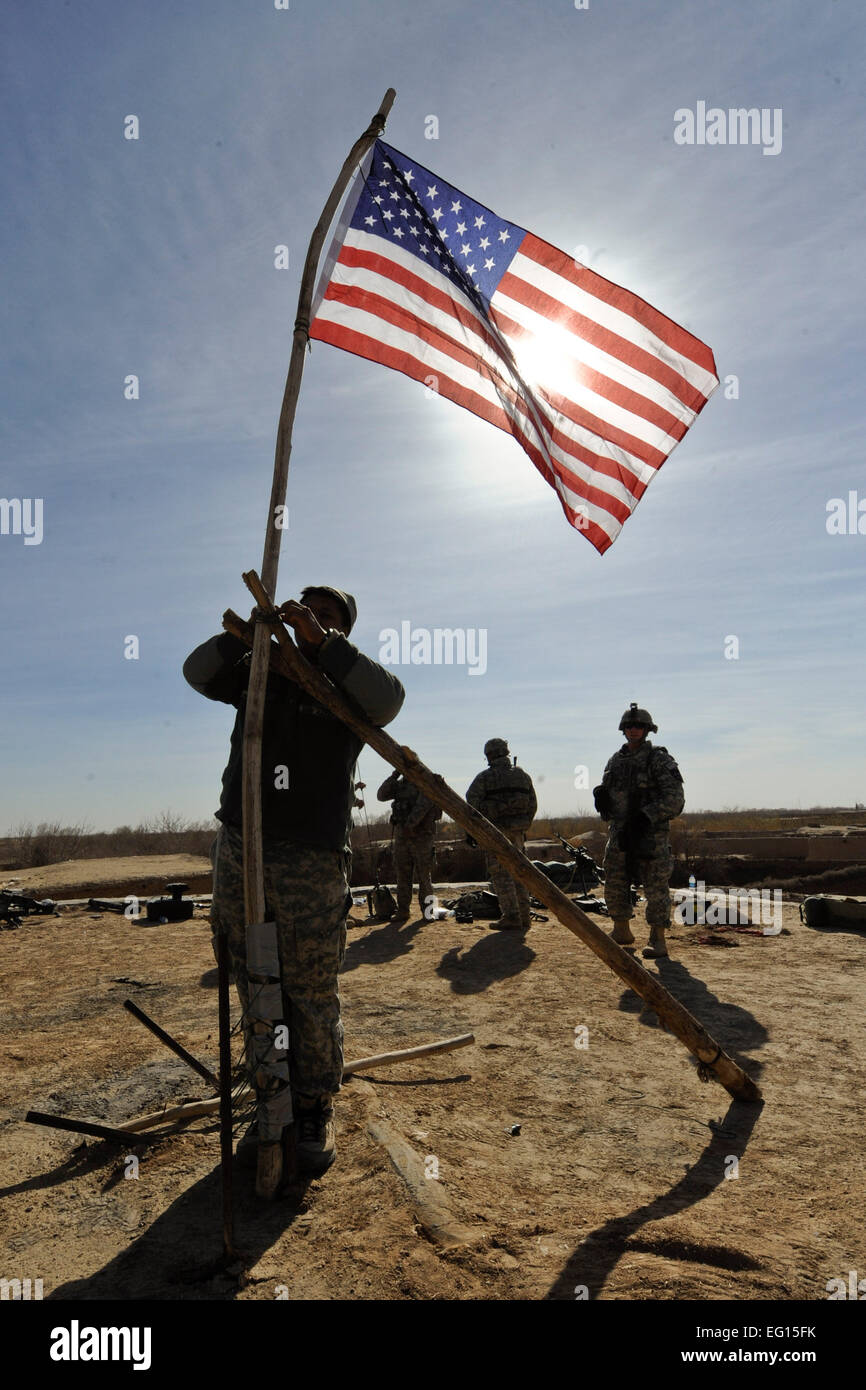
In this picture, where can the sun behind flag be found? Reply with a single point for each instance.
(596, 385)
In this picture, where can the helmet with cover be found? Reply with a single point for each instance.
(634, 715)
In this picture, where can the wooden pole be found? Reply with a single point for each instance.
(198, 1067)
(118, 1134)
(386, 1059)
(671, 1012)
(178, 1114)
(192, 1109)
(270, 1165)
(252, 809)
(225, 1094)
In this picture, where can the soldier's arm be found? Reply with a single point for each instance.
(388, 788)
(379, 694)
(217, 669)
(667, 781)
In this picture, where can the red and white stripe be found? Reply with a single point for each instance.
(626, 382)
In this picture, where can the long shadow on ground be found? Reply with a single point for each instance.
(498, 955)
(83, 1160)
(378, 947)
(178, 1257)
(737, 1031)
(590, 1265)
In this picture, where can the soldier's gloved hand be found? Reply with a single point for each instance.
(304, 621)
(601, 797)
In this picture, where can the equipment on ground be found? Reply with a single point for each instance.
(579, 872)
(14, 906)
(175, 908)
(381, 904)
(480, 905)
(830, 910)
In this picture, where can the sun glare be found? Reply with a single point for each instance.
(549, 363)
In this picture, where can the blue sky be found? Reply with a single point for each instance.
(156, 257)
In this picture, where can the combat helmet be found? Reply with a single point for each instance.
(633, 715)
(495, 748)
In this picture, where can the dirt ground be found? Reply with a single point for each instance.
(628, 1177)
(144, 874)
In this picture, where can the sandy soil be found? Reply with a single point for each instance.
(621, 1180)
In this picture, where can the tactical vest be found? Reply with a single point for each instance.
(403, 802)
(507, 797)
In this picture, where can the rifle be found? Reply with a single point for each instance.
(583, 863)
(635, 828)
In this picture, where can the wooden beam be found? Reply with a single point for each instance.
(198, 1067)
(118, 1134)
(386, 1059)
(193, 1109)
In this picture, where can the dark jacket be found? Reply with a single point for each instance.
(300, 735)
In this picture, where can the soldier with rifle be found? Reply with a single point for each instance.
(640, 793)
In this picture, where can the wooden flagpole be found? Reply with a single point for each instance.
(270, 1155)
(672, 1013)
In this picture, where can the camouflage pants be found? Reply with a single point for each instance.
(654, 874)
(413, 859)
(513, 897)
(306, 894)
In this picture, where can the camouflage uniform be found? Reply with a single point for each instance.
(308, 760)
(643, 781)
(505, 795)
(414, 817)
(306, 895)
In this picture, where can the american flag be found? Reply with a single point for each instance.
(595, 384)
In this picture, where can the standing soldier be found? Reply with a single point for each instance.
(640, 793)
(308, 760)
(505, 795)
(414, 818)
